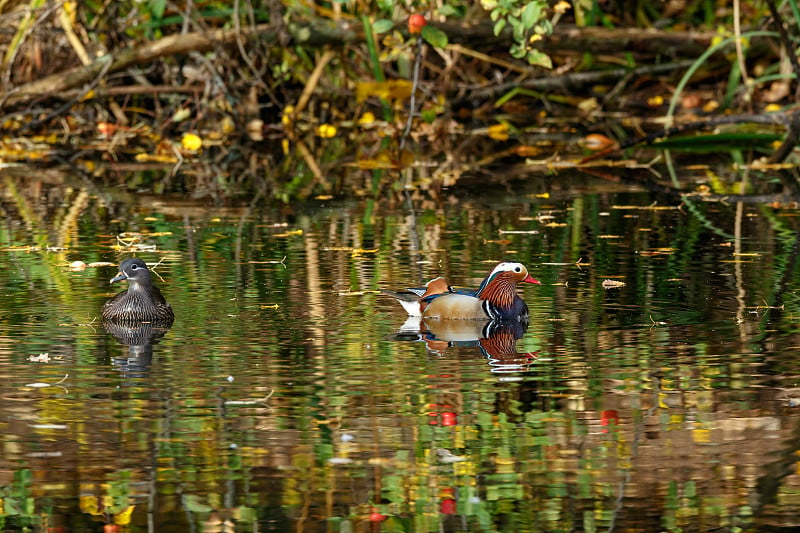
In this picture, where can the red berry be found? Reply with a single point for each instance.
(447, 506)
(449, 419)
(415, 23)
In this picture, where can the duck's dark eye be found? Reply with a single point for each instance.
(134, 267)
(518, 269)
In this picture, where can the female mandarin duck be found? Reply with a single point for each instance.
(495, 298)
(142, 302)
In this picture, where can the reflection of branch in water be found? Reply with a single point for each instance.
(785, 281)
(39, 385)
(767, 487)
(626, 472)
(693, 209)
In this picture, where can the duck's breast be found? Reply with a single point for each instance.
(455, 307)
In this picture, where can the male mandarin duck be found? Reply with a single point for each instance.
(495, 298)
(142, 301)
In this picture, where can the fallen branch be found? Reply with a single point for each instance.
(317, 34)
(172, 45)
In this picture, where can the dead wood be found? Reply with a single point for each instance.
(572, 81)
(111, 63)
(565, 39)
(596, 40)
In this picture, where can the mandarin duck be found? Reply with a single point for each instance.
(495, 298)
(141, 302)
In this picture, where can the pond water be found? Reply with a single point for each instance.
(655, 388)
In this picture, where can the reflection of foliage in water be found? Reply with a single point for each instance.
(19, 509)
(320, 408)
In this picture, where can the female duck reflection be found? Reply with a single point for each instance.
(139, 316)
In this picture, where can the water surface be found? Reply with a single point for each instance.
(654, 389)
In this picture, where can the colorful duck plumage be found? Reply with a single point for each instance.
(495, 298)
(414, 300)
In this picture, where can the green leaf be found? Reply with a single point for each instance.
(193, 503)
(447, 11)
(716, 142)
(516, 25)
(531, 14)
(434, 36)
(428, 115)
(539, 59)
(517, 51)
(157, 8)
(382, 26)
(498, 26)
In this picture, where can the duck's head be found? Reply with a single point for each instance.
(510, 272)
(134, 271)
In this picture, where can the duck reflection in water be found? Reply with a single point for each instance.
(138, 316)
(496, 340)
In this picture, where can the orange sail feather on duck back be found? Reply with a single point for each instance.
(415, 300)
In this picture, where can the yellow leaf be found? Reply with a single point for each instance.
(70, 8)
(181, 114)
(88, 505)
(499, 132)
(124, 517)
(561, 7)
(589, 104)
(525, 150)
(326, 131)
(359, 251)
(381, 160)
(366, 119)
(191, 142)
(288, 233)
(227, 125)
(151, 158)
(288, 115)
(701, 435)
(372, 164)
(386, 90)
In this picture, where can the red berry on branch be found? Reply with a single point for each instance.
(415, 23)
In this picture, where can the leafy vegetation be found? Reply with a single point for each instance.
(286, 99)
